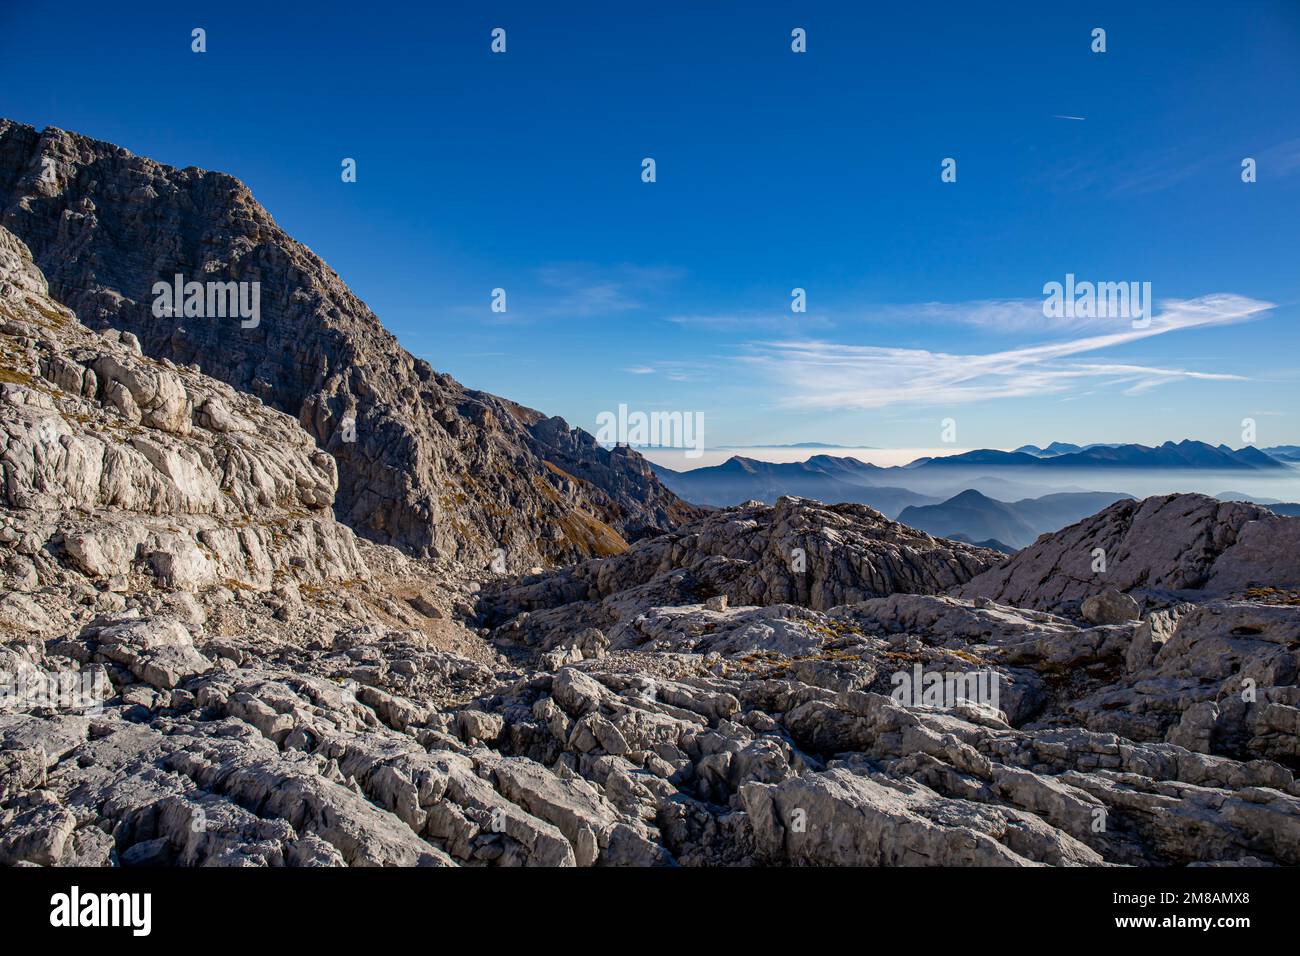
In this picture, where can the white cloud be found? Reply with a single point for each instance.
(989, 316)
(1280, 160)
(829, 375)
(575, 290)
(771, 320)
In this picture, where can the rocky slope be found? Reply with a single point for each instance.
(423, 463)
(125, 456)
(797, 552)
(1159, 550)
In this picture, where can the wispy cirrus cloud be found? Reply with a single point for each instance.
(1005, 316)
(580, 289)
(750, 321)
(1173, 166)
(675, 370)
(1283, 159)
(559, 291)
(994, 316)
(1125, 173)
(829, 375)
(678, 370)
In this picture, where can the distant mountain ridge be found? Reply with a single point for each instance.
(933, 480)
(1058, 448)
(822, 477)
(1184, 454)
(974, 517)
(798, 444)
(1283, 452)
(992, 544)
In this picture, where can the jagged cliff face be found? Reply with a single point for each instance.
(141, 473)
(423, 463)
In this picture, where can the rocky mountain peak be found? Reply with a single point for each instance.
(424, 463)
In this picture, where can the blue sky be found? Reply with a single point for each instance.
(775, 170)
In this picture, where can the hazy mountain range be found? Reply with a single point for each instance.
(931, 480)
(824, 477)
(1183, 454)
(995, 498)
(1058, 448)
(984, 520)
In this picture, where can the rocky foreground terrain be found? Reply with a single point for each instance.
(214, 651)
